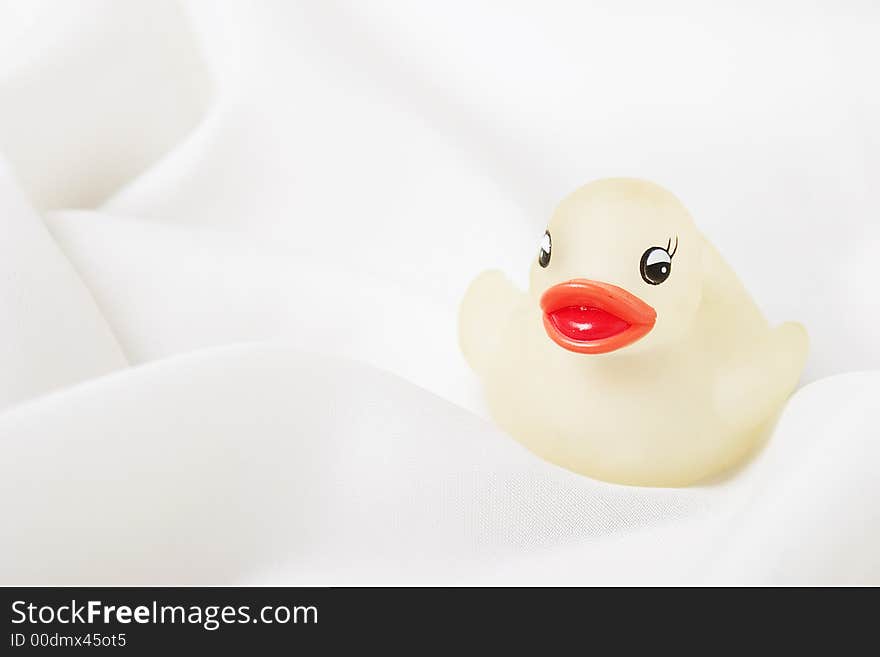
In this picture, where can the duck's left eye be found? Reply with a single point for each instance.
(656, 265)
(544, 253)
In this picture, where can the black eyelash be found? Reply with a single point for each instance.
(669, 244)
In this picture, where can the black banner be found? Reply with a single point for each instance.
(329, 620)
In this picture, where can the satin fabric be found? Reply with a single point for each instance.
(234, 240)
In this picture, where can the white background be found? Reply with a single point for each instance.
(328, 177)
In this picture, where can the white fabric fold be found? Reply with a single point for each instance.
(260, 464)
(51, 332)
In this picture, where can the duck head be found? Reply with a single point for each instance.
(618, 269)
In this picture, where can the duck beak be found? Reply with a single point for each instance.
(591, 317)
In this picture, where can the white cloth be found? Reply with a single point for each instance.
(327, 178)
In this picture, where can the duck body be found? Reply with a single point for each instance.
(686, 396)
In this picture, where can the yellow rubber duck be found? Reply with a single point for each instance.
(636, 356)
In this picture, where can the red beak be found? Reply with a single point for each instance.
(590, 317)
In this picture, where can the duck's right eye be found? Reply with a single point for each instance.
(656, 265)
(544, 253)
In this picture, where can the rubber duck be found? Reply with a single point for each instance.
(636, 356)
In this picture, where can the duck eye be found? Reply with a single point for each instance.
(656, 265)
(544, 253)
